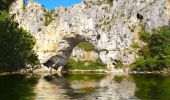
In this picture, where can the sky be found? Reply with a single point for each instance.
(51, 4)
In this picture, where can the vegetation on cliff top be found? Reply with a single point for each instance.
(48, 18)
(156, 54)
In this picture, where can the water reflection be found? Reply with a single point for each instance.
(17, 87)
(152, 87)
(84, 87)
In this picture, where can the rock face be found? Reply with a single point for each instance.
(110, 26)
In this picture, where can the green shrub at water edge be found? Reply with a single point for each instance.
(156, 55)
(160, 42)
(145, 64)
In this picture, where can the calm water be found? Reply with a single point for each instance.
(84, 87)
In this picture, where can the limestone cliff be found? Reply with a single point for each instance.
(110, 26)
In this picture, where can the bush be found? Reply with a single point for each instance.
(118, 64)
(144, 35)
(160, 42)
(48, 18)
(86, 46)
(81, 65)
(134, 45)
(156, 55)
(118, 79)
(5, 4)
(110, 2)
(40, 29)
(144, 51)
(145, 64)
(24, 7)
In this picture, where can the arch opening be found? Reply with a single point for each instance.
(84, 57)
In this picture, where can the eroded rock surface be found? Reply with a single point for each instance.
(110, 26)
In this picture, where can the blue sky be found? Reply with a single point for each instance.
(51, 4)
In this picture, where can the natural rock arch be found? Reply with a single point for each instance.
(73, 31)
(64, 52)
(110, 28)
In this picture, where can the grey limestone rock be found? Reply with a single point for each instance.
(110, 26)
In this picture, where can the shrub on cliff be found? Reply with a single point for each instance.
(86, 46)
(48, 18)
(144, 35)
(118, 64)
(156, 55)
(15, 46)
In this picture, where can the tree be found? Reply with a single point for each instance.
(16, 46)
(4, 4)
(160, 42)
(156, 55)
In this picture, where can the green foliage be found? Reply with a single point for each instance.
(148, 64)
(156, 55)
(145, 36)
(86, 46)
(16, 46)
(110, 2)
(144, 52)
(134, 45)
(5, 4)
(118, 64)
(81, 65)
(152, 86)
(17, 87)
(40, 29)
(160, 42)
(118, 79)
(48, 18)
(24, 7)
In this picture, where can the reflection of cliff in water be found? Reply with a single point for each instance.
(84, 86)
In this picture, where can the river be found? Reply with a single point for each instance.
(84, 87)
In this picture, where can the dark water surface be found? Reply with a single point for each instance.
(84, 87)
